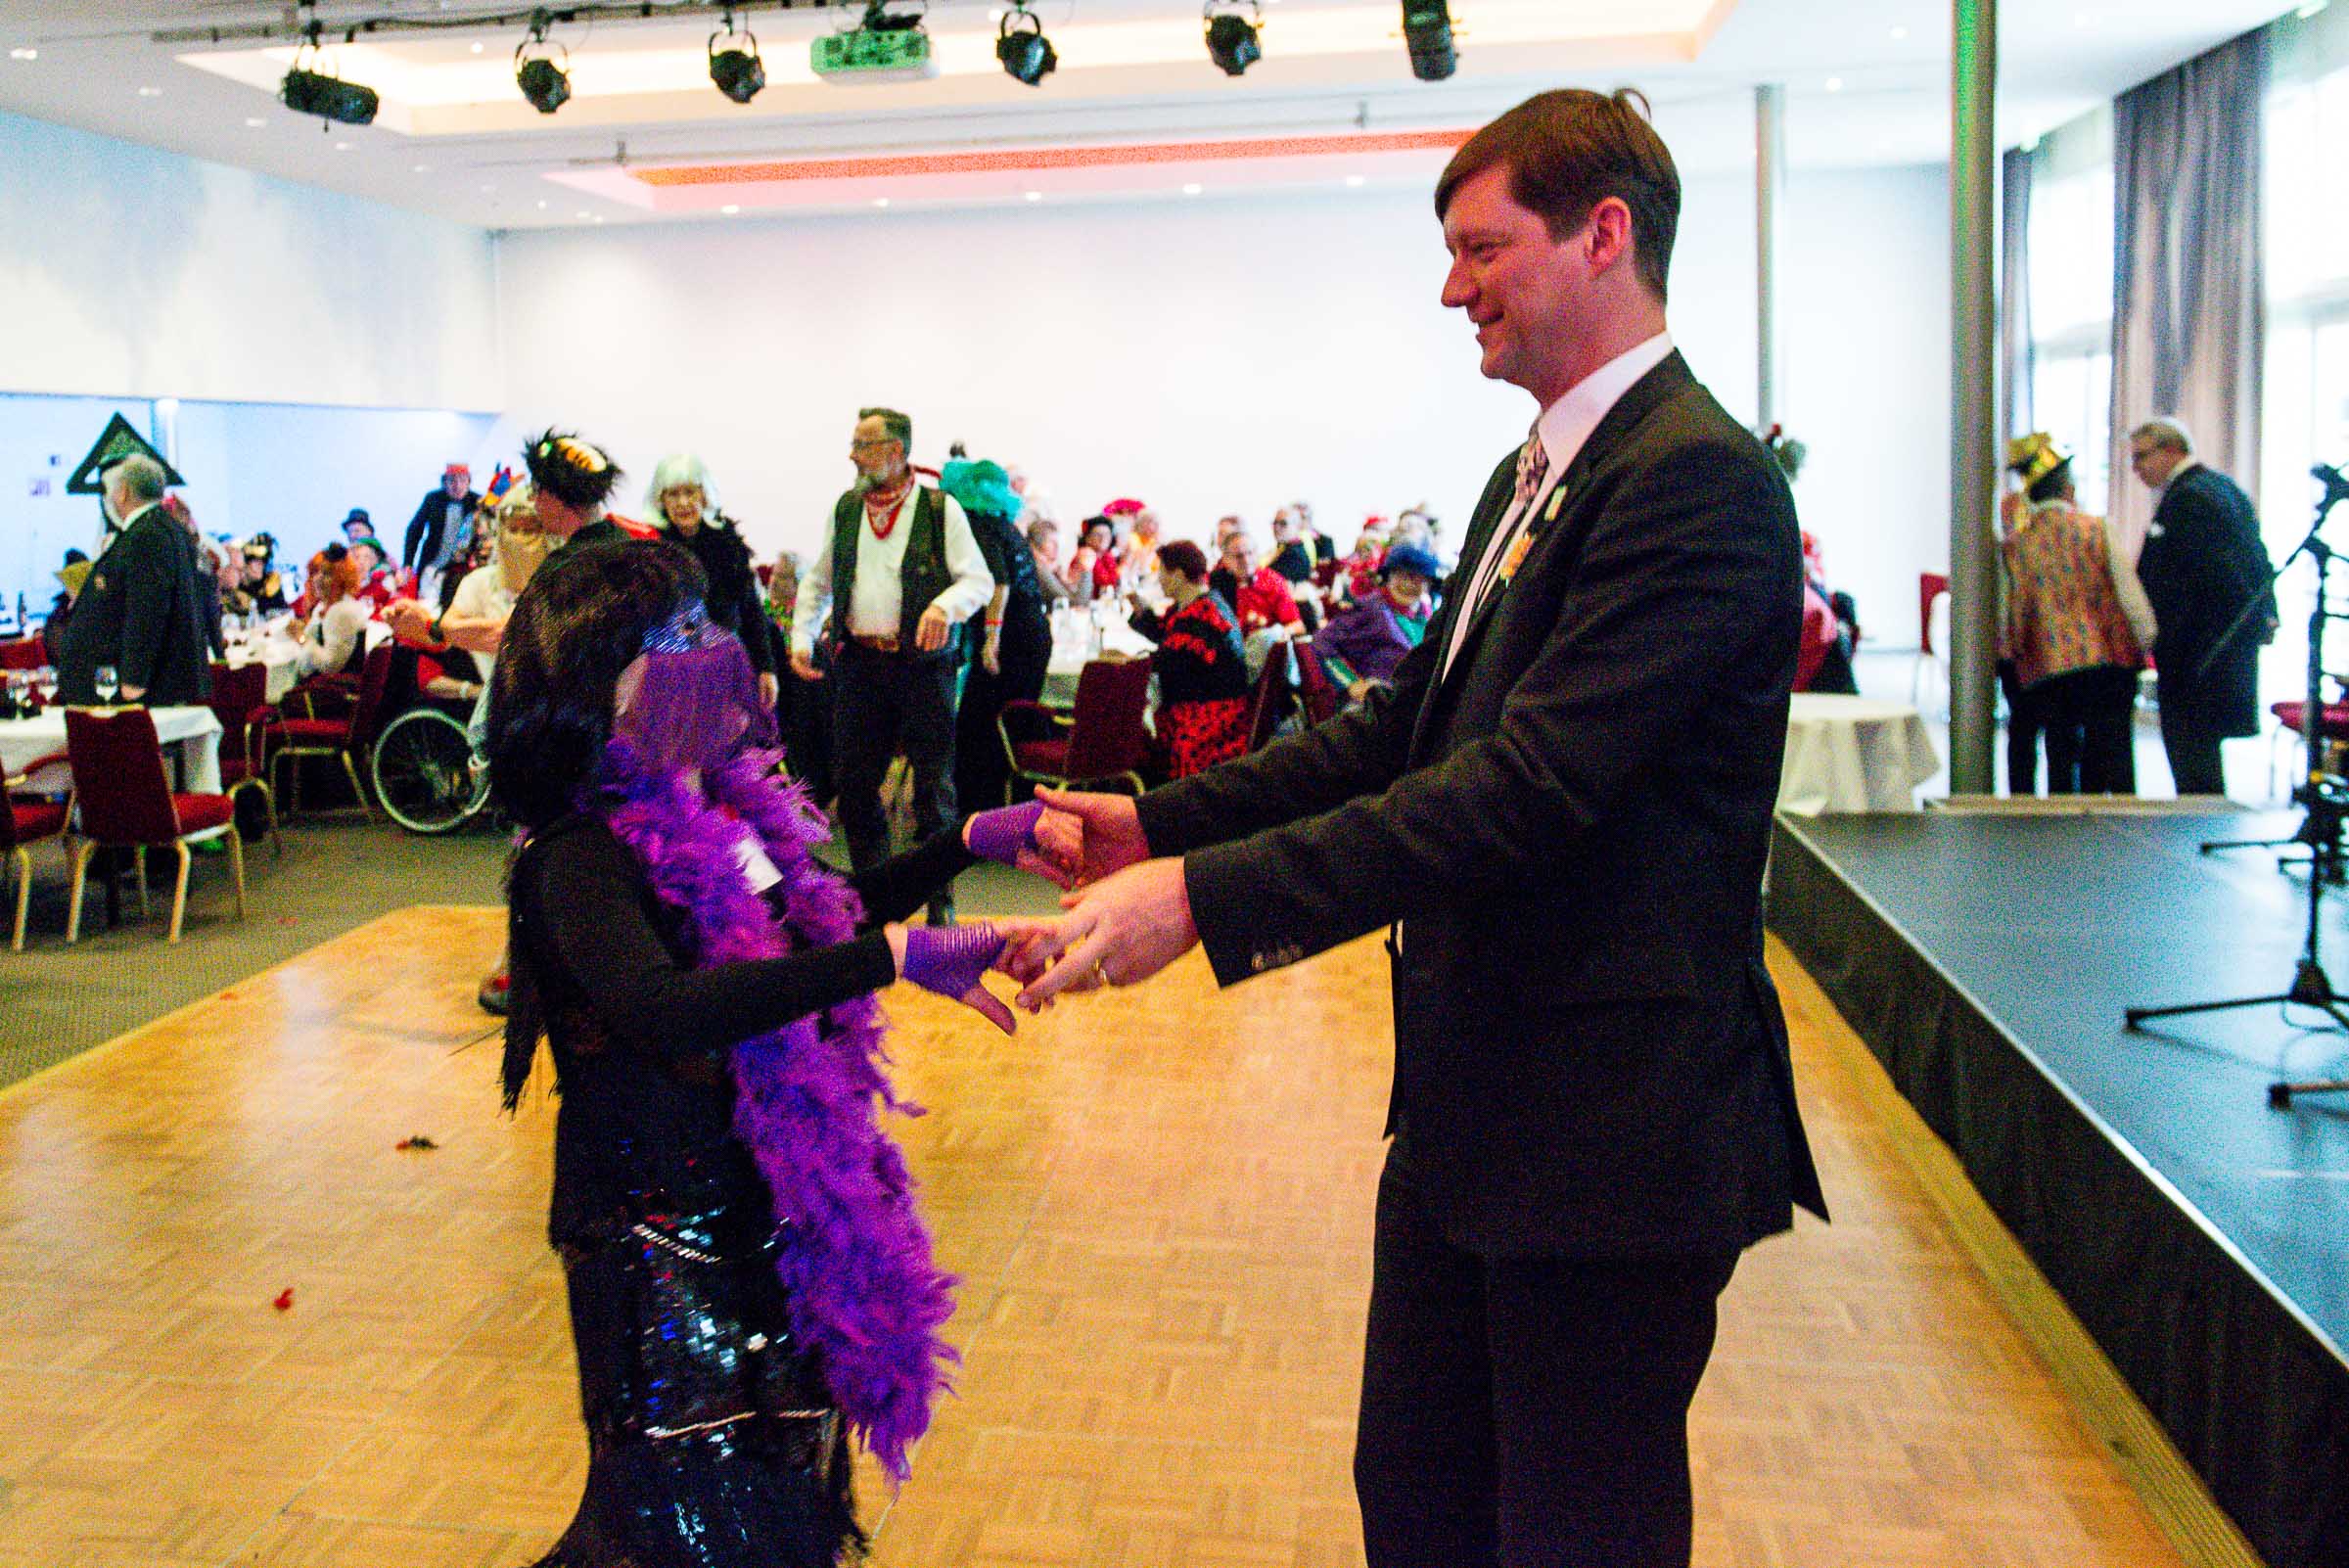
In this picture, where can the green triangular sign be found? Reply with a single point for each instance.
(119, 442)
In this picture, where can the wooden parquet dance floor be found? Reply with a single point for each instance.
(1160, 1203)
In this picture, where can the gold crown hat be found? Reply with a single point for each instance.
(2035, 456)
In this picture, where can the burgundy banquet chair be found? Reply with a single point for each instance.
(125, 802)
(1105, 741)
(23, 823)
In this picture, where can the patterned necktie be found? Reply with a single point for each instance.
(1533, 466)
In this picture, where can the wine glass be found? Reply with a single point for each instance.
(103, 681)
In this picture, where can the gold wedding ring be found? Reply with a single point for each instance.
(1100, 975)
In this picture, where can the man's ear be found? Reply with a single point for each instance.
(1607, 233)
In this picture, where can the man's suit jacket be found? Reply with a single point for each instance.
(1570, 828)
(138, 613)
(431, 522)
(2202, 562)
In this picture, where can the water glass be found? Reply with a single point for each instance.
(103, 680)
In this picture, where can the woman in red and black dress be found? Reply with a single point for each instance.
(1202, 672)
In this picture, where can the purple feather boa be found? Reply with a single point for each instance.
(856, 1263)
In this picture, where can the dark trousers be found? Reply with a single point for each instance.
(1532, 1412)
(2022, 731)
(2194, 748)
(2091, 747)
(882, 704)
(980, 768)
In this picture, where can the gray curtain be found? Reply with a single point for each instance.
(2016, 414)
(2188, 322)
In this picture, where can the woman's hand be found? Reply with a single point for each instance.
(948, 962)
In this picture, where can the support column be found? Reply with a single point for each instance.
(1973, 406)
(1769, 178)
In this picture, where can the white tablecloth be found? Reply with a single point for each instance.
(1854, 754)
(279, 653)
(1075, 645)
(195, 731)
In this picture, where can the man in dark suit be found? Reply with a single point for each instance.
(1561, 808)
(138, 608)
(2203, 562)
(441, 520)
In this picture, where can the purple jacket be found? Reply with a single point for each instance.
(1368, 639)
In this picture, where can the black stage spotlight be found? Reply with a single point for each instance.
(322, 93)
(1232, 41)
(737, 71)
(1028, 55)
(544, 83)
(1427, 34)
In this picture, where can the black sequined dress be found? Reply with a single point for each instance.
(711, 1440)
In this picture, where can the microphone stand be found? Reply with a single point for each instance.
(2325, 798)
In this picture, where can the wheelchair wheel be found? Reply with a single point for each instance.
(425, 774)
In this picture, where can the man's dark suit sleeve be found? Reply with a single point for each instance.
(1676, 585)
(153, 575)
(1359, 752)
(418, 526)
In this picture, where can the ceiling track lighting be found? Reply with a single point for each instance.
(1027, 56)
(546, 84)
(1231, 34)
(1427, 34)
(736, 71)
(311, 90)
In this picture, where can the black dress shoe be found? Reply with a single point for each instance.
(941, 912)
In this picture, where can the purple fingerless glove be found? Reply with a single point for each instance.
(950, 959)
(1002, 833)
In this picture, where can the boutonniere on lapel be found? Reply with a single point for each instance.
(1531, 534)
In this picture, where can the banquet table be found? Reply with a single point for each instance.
(279, 653)
(1075, 645)
(1854, 754)
(195, 733)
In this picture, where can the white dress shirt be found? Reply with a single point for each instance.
(1563, 428)
(878, 607)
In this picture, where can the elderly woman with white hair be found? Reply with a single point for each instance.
(684, 505)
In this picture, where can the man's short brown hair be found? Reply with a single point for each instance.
(899, 426)
(1566, 151)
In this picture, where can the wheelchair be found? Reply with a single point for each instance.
(429, 777)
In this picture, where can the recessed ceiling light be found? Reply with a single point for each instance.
(586, 214)
(1193, 190)
(543, 206)
(23, 53)
(487, 189)
(880, 201)
(476, 48)
(729, 209)
(1834, 84)
(599, 218)
(256, 122)
(420, 168)
(1898, 33)
(342, 147)
(1355, 179)
(1035, 196)
(151, 92)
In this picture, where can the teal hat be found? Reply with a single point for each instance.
(980, 486)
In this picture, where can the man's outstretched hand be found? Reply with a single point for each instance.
(1118, 932)
(1089, 837)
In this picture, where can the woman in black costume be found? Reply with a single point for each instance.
(729, 1217)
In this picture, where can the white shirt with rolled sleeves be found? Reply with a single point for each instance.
(878, 607)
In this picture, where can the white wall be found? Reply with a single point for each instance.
(1214, 356)
(132, 272)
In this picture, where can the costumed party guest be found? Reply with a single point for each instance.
(1358, 573)
(1258, 595)
(1291, 552)
(898, 574)
(749, 1281)
(2203, 562)
(138, 610)
(2077, 648)
(443, 519)
(262, 587)
(571, 485)
(1092, 568)
(69, 578)
(1017, 640)
(1830, 627)
(334, 631)
(356, 525)
(380, 583)
(1362, 646)
(1051, 576)
(685, 513)
(1137, 551)
(1202, 672)
(1565, 802)
(204, 576)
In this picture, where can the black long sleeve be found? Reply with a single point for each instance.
(582, 899)
(896, 887)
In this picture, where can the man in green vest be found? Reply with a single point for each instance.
(898, 573)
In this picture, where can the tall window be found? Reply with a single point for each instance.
(2071, 318)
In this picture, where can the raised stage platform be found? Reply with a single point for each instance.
(2202, 1236)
